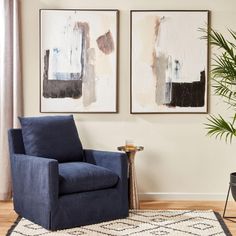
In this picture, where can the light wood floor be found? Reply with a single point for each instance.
(8, 216)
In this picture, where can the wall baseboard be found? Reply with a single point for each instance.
(183, 196)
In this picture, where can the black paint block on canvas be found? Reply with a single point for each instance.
(61, 88)
(189, 94)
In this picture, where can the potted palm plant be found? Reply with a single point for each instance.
(223, 75)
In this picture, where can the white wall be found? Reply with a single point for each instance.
(179, 161)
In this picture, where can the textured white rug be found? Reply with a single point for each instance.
(169, 222)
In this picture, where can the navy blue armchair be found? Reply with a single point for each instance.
(59, 195)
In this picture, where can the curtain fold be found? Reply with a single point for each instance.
(10, 85)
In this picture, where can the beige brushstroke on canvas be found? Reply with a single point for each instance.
(146, 53)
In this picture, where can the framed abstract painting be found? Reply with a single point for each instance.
(169, 61)
(78, 60)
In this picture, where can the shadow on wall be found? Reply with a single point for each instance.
(142, 164)
(180, 119)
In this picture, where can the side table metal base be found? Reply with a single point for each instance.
(226, 202)
(133, 191)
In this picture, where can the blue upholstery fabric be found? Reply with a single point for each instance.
(117, 162)
(78, 177)
(52, 137)
(89, 208)
(35, 182)
(36, 189)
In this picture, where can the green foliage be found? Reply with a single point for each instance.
(223, 75)
(219, 127)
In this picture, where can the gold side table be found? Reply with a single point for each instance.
(133, 192)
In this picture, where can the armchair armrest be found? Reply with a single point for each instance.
(115, 161)
(35, 181)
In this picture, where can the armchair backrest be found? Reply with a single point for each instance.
(16, 144)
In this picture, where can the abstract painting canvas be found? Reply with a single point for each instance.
(169, 62)
(78, 60)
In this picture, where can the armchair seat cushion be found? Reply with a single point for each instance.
(75, 177)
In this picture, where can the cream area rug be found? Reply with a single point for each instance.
(139, 223)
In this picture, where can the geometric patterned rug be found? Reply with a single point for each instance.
(139, 223)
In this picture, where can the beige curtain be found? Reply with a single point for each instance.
(10, 85)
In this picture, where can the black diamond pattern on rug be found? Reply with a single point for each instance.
(76, 232)
(119, 226)
(160, 232)
(202, 226)
(33, 226)
(139, 223)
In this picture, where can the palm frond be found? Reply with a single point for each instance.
(223, 67)
(223, 70)
(220, 128)
(225, 90)
(233, 33)
(223, 75)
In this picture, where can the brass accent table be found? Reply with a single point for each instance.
(133, 192)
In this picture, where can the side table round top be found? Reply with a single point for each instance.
(130, 149)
